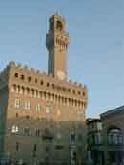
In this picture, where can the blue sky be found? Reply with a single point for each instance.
(96, 51)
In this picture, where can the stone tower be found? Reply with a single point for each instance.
(42, 117)
(57, 41)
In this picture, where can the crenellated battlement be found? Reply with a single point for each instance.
(27, 81)
(25, 69)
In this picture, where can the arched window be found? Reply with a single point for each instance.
(29, 79)
(73, 91)
(22, 77)
(28, 90)
(115, 136)
(17, 103)
(38, 107)
(23, 90)
(41, 82)
(84, 94)
(73, 137)
(59, 26)
(47, 84)
(79, 92)
(27, 131)
(53, 86)
(35, 80)
(16, 75)
(13, 88)
(37, 132)
(14, 129)
(27, 105)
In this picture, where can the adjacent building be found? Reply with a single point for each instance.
(105, 140)
(95, 141)
(113, 135)
(42, 116)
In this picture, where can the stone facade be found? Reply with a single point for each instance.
(106, 138)
(42, 116)
(113, 135)
(57, 41)
(95, 141)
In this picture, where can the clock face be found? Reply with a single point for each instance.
(60, 75)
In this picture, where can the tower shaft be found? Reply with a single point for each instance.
(57, 41)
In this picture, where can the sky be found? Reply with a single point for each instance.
(96, 50)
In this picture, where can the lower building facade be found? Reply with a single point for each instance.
(42, 119)
(113, 135)
(106, 138)
(95, 141)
